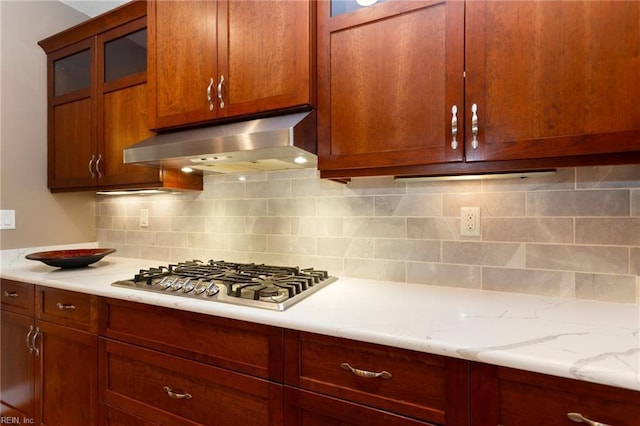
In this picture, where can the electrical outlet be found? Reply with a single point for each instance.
(470, 221)
(144, 218)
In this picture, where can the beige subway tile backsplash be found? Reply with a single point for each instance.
(528, 230)
(578, 203)
(583, 258)
(575, 234)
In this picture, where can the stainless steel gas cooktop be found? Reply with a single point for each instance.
(261, 286)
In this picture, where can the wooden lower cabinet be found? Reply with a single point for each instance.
(171, 367)
(509, 397)
(48, 366)
(166, 389)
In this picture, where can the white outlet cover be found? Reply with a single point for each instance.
(470, 221)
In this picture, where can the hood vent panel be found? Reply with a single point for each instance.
(265, 144)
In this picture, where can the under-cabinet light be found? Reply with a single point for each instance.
(133, 192)
(512, 175)
(366, 2)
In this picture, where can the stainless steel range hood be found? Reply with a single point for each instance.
(272, 143)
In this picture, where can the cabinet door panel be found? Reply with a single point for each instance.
(68, 370)
(383, 86)
(125, 123)
(17, 384)
(182, 60)
(73, 133)
(552, 79)
(264, 54)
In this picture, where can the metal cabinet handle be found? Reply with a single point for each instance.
(65, 306)
(33, 342)
(12, 294)
(454, 127)
(209, 97)
(28, 339)
(98, 166)
(364, 373)
(220, 92)
(579, 418)
(176, 395)
(474, 126)
(93, 175)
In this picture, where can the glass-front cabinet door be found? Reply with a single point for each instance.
(71, 120)
(122, 102)
(72, 73)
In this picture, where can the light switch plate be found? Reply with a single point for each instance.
(144, 218)
(7, 219)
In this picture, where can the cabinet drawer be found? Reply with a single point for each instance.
(78, 310)
(528, 399)
(17, 297)
(171, 390)
(307, 408)
(254, 349)
(110, 416)
(419, 385)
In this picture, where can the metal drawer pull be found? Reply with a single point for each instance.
(454, 127)
(12, 294)
(93, 175)
(364, 373)
(176, 395)
(209, 98)
(220, 91)
(579, 418)
(28, 339)
(65, 306)
(98, 166)
(33, 341)
(474, 126)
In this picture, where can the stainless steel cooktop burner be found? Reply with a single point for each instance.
(249, 284)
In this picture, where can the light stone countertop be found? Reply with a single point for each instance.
(587, 340)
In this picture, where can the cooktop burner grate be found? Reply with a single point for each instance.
(249, 284)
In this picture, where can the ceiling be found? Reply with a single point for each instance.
(93, 7)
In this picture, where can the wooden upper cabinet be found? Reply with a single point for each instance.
(97, 96)
(388, 77)
(217, 59)
(550, 83)
(552, 79)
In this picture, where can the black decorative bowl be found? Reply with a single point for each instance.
(70, 258)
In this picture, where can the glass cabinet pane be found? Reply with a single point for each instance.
(72, 73)
(125, 55)
(338, 7)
